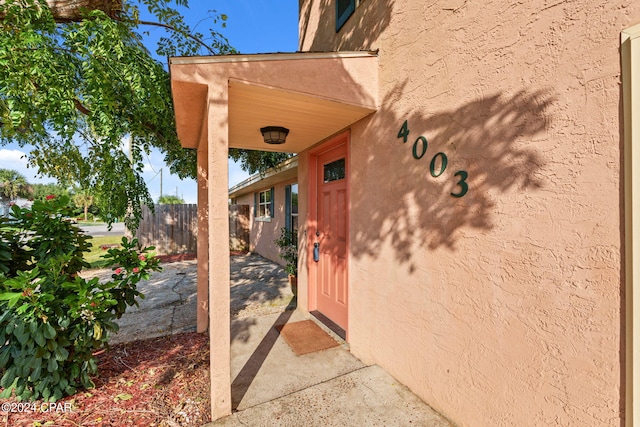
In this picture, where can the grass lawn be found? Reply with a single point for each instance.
(94, 257)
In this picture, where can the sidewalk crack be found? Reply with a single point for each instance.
(305, 388)
(176, 304)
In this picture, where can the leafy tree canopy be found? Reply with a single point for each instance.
(254, 161)
(74, 88)
(76, 80)
(41, 191)
(83, 198)
(13, 184)
(168, 199)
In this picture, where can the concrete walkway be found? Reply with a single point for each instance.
(258, 287)
(271, 385)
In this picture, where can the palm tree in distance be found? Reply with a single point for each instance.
(12, 186)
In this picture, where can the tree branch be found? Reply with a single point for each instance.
(169, 27)
(80, 107)
(149, 126)
(72, 10)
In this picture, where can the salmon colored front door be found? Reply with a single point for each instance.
(330, 240)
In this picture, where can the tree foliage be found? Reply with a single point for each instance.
(74, 86)
(83, 198)
(41, 191)
(52, 320)
(73, 91)
(254, 161)
(13, 184)
(168, 199)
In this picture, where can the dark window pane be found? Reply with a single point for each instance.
(294, 199)
(344, 9)
(334, 171)
(343, 5)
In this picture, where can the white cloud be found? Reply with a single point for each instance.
(13, 158)
(17, 161)
(10, 157)
(148, 169)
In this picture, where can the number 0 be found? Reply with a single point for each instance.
(443, 164)
(425, 144)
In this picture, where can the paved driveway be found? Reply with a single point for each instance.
(102, 229)
(272, 385)
(258, 287)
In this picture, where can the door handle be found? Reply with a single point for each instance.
(316, 252)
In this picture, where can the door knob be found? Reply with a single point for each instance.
(316, 252)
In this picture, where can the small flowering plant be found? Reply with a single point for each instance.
(129, 267)
(288, 243)
(52, 321)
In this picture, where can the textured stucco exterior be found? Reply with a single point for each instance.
(204, 88)
(262, 233)
(630, 52)
(503, 307)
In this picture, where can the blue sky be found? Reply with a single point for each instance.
(253, 26)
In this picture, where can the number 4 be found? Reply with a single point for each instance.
(404, 131)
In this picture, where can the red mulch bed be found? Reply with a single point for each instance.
(176, 258)
(157, 382)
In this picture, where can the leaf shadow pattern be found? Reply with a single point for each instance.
(488, 138)
(259, 283)
(359, 32)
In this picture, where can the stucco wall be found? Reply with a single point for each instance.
(502, 307)
(263, 233)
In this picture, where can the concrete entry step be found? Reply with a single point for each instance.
(365, 397)
(272, 386)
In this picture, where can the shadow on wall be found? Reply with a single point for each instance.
(353, 34)
(489, 139)
(403, 203)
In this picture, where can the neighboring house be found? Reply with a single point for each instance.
(468, 196)
(5, 205)
(273, 201)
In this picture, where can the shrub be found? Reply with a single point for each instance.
(52, 321)
(288, 243)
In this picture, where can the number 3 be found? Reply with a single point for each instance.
(464, 187)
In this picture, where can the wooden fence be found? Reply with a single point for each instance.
(239, 227)
(174, 228)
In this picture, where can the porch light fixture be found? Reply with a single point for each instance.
(274, 134)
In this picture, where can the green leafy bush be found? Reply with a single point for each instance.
(288, 244)
(52, 321)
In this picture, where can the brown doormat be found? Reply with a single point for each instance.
(306, 337)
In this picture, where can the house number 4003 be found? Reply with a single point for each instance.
(420, 149)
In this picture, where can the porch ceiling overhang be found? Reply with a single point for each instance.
(314, 95)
